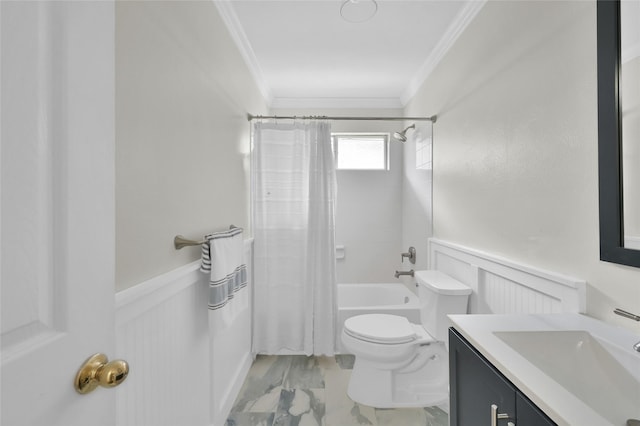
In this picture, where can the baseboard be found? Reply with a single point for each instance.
(234, 390)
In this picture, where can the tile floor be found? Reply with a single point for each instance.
(312, 391)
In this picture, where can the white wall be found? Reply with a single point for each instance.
(515, 145)
(369, 213)
(182, 137)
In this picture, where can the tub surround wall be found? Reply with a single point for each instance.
(417, 208)
(515, 145)
(182, 95)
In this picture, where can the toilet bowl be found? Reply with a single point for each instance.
(400, 364)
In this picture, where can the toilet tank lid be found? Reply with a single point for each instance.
(441, 283)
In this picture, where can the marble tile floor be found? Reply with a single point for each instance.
(312, 391)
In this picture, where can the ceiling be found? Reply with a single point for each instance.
(303, 54)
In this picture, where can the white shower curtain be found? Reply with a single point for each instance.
(294, 194)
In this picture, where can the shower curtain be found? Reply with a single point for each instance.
(294, 195)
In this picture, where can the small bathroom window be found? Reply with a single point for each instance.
(359, 151)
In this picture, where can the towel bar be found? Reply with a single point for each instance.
(179, 241)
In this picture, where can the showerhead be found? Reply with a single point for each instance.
(402, 136)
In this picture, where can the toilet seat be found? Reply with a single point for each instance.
(382, 328)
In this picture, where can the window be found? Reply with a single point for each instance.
(359, 151)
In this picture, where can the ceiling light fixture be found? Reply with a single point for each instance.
(357, 11)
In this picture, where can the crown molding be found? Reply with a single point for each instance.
(459, 24)
(230, 19)
(336, 103)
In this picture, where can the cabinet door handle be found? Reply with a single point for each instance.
(495, 415)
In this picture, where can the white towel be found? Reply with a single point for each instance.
(222, 258)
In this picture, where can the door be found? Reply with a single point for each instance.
(57, 208)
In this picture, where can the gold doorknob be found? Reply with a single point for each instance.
(97, 370)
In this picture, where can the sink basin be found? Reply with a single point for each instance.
(602, 375)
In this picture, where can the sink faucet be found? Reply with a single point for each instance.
(398, 273)
(629, 315)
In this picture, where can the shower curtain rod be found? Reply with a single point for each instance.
(251, 117)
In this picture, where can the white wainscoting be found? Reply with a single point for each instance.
(501, 286)
(162, 330)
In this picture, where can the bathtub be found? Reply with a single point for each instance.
(359, 299)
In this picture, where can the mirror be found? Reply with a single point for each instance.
(619, 130)
(630, 120)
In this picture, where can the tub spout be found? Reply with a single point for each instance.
(398, 273)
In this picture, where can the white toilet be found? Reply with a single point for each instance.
(400, 364)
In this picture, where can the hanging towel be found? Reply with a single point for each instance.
(222, 258)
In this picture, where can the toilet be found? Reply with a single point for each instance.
(401, 364)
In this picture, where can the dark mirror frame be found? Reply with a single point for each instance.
(609, 138)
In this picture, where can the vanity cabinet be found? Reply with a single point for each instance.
(481, 395)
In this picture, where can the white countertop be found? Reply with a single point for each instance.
(562, 406)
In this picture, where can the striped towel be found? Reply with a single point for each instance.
(222, 258)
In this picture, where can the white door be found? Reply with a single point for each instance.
(57, 208)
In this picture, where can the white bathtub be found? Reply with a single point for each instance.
(359, 299)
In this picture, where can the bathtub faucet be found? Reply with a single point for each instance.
(398, 273)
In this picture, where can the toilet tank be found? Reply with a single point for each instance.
(440, 295)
